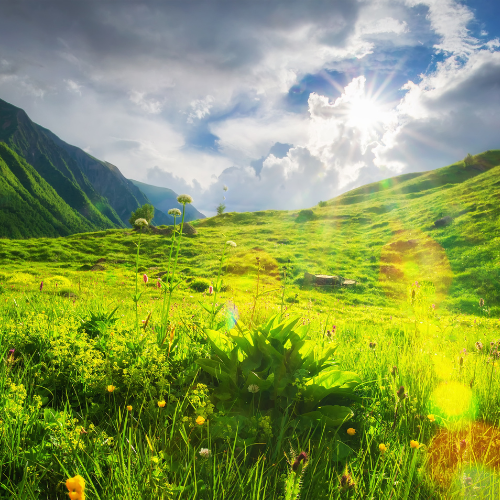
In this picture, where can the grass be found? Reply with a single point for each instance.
(77, 338)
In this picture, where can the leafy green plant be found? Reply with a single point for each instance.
(199, 284)
(283, 366)
(145, 212)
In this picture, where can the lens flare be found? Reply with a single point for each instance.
(452, 399)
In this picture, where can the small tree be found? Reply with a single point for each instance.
(145, 212)
(221, 208)
(469, 160)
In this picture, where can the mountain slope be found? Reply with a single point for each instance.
(165, 199)
(29, 206)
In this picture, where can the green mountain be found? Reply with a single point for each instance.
(165, 199)
(95, 189)
(30, 206)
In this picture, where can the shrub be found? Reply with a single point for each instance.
(145, 212)
(200, 284)
(306, 215)
(322, 204)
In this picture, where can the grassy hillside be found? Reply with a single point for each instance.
(382, 235)
(382, 393)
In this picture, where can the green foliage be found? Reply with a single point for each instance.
(145, 212)
(322, 204)
(220, 208)
(469, 160)
(306, 215)
(200, 284)
(285, 366)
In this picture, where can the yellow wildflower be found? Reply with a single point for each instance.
(382, 447)
(129, 408)
(162, 403)
(351, 431)
(111, 388)
(414, 444)
(200, 420)
(76, 487)
(431, 418)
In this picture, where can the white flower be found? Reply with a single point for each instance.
(253, 388)
(174, 212)
(231, 243)
(140, 222)
(205, 453)
(184, 198)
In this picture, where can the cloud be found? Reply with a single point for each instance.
(200, 108)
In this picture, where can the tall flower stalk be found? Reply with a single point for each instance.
(183, 199)
(139, 224)
(218, 283)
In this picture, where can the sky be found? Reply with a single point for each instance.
(284, 102)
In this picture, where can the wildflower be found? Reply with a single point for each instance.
(431, 418)
(158, 283)
(200, 420)
(301, 456)
(41, 285)
(481, 302)
(184, 199)
(253, 388)
(76, 487)
(401, 393)
(231, 243)
(174, 212)
(162, 403)
(414, 444)
(141, 223)
(205, 453)
(111, 388)
(372, 345)
(145, 278)
(382, 447)
(394, 371)
(433, 306)
(129, 408)
(479, 346)
(462, 445)
(210, 290)
(351, 431)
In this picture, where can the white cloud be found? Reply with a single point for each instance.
(151, 105)
(200, 108)
(72, 86)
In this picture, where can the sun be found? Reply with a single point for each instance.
(365, 113)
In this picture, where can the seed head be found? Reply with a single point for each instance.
(301, 456)
(394, 371)
(253, 388)
(140, 223)
(401, 393)
(174, 212)
(372, 345)
(205, 453)
(479, 346)
(231, 243)
(184, 199)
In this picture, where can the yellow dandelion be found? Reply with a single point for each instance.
(111, 388)
(431, 418)
(200, 420)
(382, 447)
(162, 403)
(129, 408)
(414, 444)
(351, 431)
(76, 487)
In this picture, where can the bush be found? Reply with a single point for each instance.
(306, 215)
(322, 204)
(145, 212)
(200, 284)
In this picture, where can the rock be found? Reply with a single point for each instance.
(443, 221)
(322, 279)
(97, 267)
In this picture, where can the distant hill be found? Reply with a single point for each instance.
(165, 199)
(95, 189)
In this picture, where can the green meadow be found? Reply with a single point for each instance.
(120, 365)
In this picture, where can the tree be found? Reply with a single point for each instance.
(145, 212)
(221, 208)
(469, 160)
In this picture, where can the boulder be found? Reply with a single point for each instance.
(444, 221)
